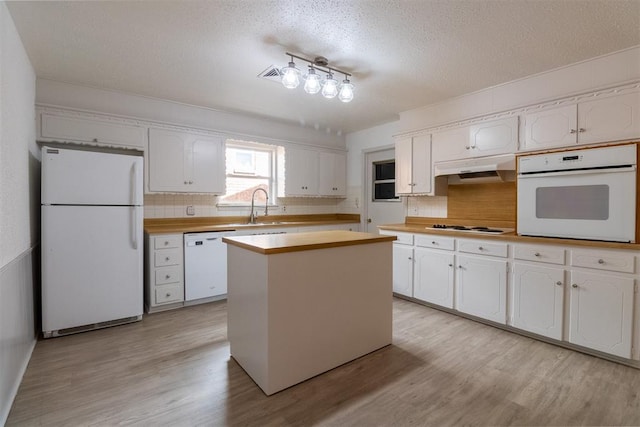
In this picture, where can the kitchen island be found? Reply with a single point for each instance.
(302, 304)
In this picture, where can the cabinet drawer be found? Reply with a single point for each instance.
(436, 242)
(166, 242)
(171, 274)
(404, 238)
(168, 257)
(169, 293)
(483, 248)
(624, 263)
(547, 254)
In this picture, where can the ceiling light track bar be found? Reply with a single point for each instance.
(319, 63)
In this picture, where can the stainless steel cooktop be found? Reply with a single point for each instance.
(471, 228)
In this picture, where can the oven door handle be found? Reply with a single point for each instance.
(577, 172)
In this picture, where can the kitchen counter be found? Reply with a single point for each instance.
(280, 243)
(233, 223)
(294, 314)
(421, 227)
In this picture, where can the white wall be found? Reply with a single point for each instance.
(19, 210)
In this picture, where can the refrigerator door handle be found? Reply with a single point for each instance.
(134, 228)
(134, 184)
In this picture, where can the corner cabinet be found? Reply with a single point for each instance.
(313, 173)
(185, 162)
(600, 118)
(413, 165)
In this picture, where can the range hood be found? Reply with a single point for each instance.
(500, 168)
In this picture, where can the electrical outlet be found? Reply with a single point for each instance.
(191, 210)
(284, 208)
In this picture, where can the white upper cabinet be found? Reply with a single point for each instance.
(452, 144)
(494, 137)
(333, 174)
(184, 162)
(301, 172)
(613, 118)
(413, 165)
(602, 119)
(95, 130)
(481, 139)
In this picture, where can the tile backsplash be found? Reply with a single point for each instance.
(205, 205)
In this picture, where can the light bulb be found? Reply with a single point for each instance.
(346, 91)
(330, 87)
(290, 76)
(312, 82)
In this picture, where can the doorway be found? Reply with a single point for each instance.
(381, 206)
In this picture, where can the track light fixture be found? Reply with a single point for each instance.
(329, 86)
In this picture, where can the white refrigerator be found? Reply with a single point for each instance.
(92, 247)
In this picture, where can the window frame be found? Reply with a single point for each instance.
(273, 170)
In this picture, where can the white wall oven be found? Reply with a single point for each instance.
(581, 194)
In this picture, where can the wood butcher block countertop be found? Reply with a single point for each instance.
(281, 243)
(233, 223)
(421, 224)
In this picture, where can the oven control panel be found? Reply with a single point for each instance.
(589, 158)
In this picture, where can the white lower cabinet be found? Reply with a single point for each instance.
(601, 312)
(481, 288)
(164, 271)
(433, 276)
(538, 299)
(403, 269)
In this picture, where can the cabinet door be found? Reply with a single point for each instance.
(433, 277)
(301, 172)
(333, 174)
(601, 312)
(403, 270)
(403, 166)
(421, 164)
(54, 127)
(451, 144)
(481, 288)
(555, 127)
(538, 299)
(494, 137)
(205, 165)
(613, 118)
(166, 161)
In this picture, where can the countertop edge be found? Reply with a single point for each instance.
(511, 237)
(299, 247)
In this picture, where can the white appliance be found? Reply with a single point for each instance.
(205, 269)
(92, 251)
(580, 194)
(501, 168)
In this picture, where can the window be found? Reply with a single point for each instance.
(249, 166)
(384, 181)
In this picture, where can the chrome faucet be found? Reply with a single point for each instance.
(253, 217)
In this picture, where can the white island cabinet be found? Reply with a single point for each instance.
(302, 304)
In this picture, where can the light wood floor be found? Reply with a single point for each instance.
(174, 368)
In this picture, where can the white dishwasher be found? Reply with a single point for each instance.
(205, 265)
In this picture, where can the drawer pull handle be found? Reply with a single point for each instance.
(537, 254)
(559, 283)
(480, 248)
(166, 242)
(460, 267)
(166, 259)
(572, 131)
(450, 265)
(574, 285)
(168, 295)
(600, 261)
(433, 242)
(167, 276)
(409, 257)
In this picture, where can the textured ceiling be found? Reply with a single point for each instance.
(402, 54)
